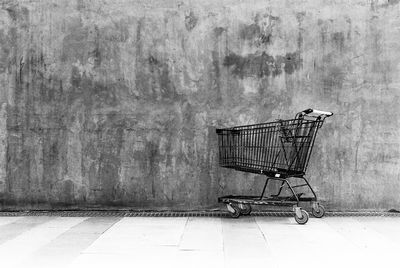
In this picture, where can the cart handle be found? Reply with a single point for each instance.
(318, 112)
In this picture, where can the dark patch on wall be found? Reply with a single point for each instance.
(19, 15)
(167, 86)
(248, 32)
(83, 43)
(208, 183)
(254, 33)
(386, 5)
(68, 192)
(191, 21)
(333, 77)
(300, 40)
(258, 35)
(116, 32)
(324, 31)
(153, 159)
(5, 50)
(12, 12)
(80, 5)
(349, 32)
(154, 81)
(262, 65)
(218, 31)
(273, 18)
(53, 159)
(237, 62)
(17, 12)
(159, 82)
(74, 46)
(393, 2)
(300, 18)
(109, 162)
(93, 47)
(338, 40)
(215, 63)
(266, 38)
(153, 60)
(215, 96)
(292, 62)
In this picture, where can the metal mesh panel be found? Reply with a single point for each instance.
(281, 146)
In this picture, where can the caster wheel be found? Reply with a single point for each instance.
(304, 217)
(245, 209)
(319, 212)
(234, 210)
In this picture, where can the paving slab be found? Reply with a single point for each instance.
(202, 234)
(23, 246)
(7, 220)
(130, 234)
(244, 243)
(14, 228)
(67, 246)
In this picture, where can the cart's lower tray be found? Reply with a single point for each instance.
(272, 200)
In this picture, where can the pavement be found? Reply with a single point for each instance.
(53, 241)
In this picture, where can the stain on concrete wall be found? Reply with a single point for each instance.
(116, 103)
(262, 65)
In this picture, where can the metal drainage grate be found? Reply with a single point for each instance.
(222, 214)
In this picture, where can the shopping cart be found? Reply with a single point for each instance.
(279, 150)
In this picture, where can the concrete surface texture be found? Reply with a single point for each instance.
(41, 242)
(115, 103)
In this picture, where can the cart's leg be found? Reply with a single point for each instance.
(301, 216)
(265, 186)
(280, 189)
(297, 211)
(317, 210)
(309, 186)
(291, 189)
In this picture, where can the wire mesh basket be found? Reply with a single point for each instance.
(283, 146)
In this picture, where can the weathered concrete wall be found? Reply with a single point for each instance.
(110, 102)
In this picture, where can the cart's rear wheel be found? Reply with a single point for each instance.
(234, 210)
(319, 212)
(304, 217)
(245, 209)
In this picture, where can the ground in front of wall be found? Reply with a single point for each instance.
(50, 241)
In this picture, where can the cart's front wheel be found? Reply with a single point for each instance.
(304, 217)
(245, 209)
(318, 212)
(233, 209)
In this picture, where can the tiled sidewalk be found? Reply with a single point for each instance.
(42, 241)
